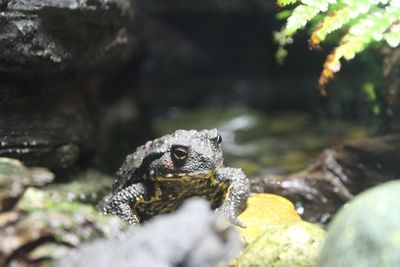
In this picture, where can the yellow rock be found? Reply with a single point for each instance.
(263, 211)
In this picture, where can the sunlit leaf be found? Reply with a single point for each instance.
(368, 29)
(361, 23)
(392, 37)
(283, 3)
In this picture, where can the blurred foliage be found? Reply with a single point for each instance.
(372, 96)
(360, 23)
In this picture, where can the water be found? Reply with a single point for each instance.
(262, 143)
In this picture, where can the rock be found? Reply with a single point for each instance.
(55, 55)
(44, 126)
(43, 227)
(38, 38)
(89, 187)
(15, 178)
(264, 211)
(286, 245)
(276, 235)
(190, 237)
(316, 195)
(365, 232)
(336, 176)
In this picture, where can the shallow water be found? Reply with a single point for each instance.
(265, 143)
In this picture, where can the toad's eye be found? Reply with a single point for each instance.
(179, 154)
(219, 139)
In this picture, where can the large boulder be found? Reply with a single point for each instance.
(54, 57)
(365, 233)
(48, 127)
(38, 38)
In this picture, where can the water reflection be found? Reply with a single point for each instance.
(261, 143)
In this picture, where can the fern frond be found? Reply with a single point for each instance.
(392, 37)
(304, 13)
(282, 3)
(364, 22)
(299, 17)
(335, 20)
(368, 29)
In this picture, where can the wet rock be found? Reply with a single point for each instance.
(316, 196)
(39, 38)
(192, 236)
(43, 227)
(263, 211)
(15, 178)
(287, 245)
(365, 232)
(336, 176)
(45, 124)
(54, 58)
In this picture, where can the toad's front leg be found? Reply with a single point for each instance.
(121, 202)
(237, 195)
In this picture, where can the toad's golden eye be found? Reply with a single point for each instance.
(179, 154)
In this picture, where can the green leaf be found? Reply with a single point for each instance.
(362, 23)
(285, 2)
(392, 37)
(283, 14)
(365, 31)
(299, 18)
(281, 55)
(337, 19)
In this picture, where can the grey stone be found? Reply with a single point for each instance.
(365, 232)
(192, 236)
(45, 37)
(43, 126)
(53, 55)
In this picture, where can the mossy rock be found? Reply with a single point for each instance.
(264, 210)
(15, 178)
(44, 227)
(295, 244)
(366, 232)
(86, 187)
(13, 169)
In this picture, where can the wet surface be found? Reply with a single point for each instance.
(263, 144)
(278, 152)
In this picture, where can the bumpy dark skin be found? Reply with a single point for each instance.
(164, 172)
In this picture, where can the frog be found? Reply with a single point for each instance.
(161, 174)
